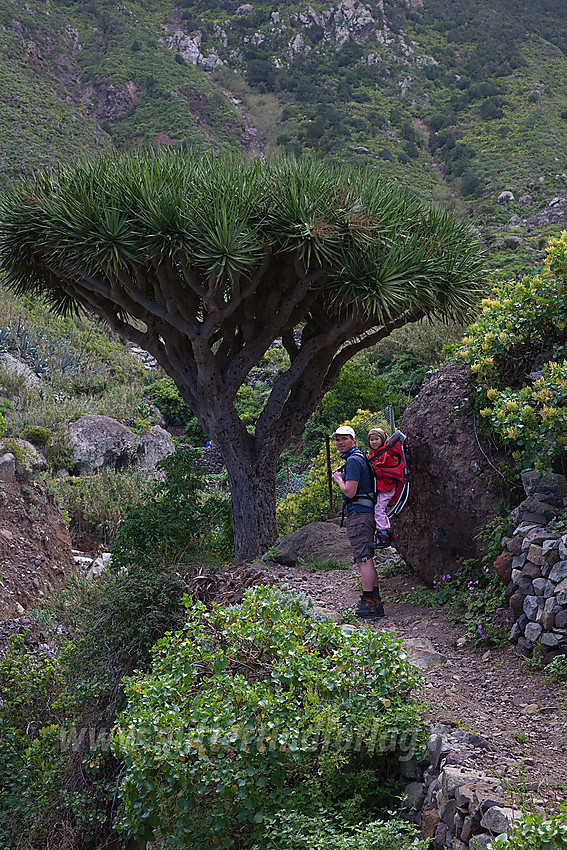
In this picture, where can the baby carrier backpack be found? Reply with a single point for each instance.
(397, 448)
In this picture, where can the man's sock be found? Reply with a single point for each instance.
(376, 594)
(368, 594)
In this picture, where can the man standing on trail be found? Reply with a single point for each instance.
(356, 482)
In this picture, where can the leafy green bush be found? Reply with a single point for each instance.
(180, 516)
(298, 831)
(168, 399)
(535, 831)
(36, 435)
(242, 700)
(523, 324)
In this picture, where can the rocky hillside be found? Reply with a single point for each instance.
(459, 101)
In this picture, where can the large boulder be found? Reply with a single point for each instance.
(314, 542)
(451, 494)
(152, 446)
(98, 441)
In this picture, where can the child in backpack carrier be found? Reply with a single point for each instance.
(385, 484)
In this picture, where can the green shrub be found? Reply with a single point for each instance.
(296, 831)
(519, 323)
(242, 700)
(535, 831)
(167, 399)
(36, 435)
(180, 516)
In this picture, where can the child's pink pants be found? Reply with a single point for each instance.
(382, 521)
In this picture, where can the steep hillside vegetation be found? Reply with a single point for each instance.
(461, 101)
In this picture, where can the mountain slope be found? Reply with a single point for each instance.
(459, 100)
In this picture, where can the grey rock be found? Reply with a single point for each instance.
(497, 819)
(519, 561)
(152, 446)
(515, 632)
(512, 241)
(423, 653)
(434, 747)
(475, 741)
(548, 482)
(448, 811)
(549, 639)
(548, 613)
(531, 571)
(561, 620)
(315, 540)
(558, 572)
(99, 441)
(414, 795)
(533, 631)
(432, 790)
(465, 797)
(440, 837)
(505, 196)
(525, 586)
(543, 587)
(7, 467)
(535, 555)
(32, 458)
(15, 366)
(549, 544)
(453, 777)
(531, 604)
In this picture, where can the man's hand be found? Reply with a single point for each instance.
(347, 488)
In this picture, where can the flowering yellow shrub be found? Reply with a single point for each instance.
(523, 324)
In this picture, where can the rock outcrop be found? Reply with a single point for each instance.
(35, 548)
(451, 495)
(99, 441)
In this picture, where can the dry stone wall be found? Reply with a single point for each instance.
(534, 565)
(456, 804)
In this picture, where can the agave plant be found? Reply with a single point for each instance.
(205, 261)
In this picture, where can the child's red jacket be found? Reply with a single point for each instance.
(380, 465)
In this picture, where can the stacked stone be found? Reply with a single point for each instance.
(148, 360)
(455, 805)
(537, 591)
(534, 565)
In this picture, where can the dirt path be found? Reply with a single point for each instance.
(492, 693)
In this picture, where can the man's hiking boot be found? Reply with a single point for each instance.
(369, 608)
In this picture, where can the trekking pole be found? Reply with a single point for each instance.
(392, 420)
(329, 477)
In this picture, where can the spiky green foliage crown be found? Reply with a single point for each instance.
(378, 247)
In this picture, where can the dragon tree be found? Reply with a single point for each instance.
(206, 261)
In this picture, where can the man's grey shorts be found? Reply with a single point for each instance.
(360, 532)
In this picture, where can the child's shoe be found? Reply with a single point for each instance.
(383, 540)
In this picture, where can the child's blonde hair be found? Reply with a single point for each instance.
(381, 433)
